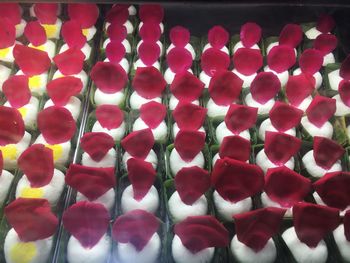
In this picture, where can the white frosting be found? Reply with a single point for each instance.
(305, 103)
(99, 253)
(274, 44)
(317, 76)
(107, 199)
(140, 64)
(49, 47)
(107, 161)
(334, 79)
(81, 75)
(325, 131)
(180, 211)
(159, 43)
(116, 133)
(43, 247)
(316, 171)
(227, 209)
(173, 101)
(262, 108)
(89, 33)
(204, 78)
(266, 125)
(267, 202)
(41, 88)
(222, 131)
(328, 59)
(176, 129)
(128, 25)
(312, 33)
(182, 255)
(247, 80)
(5, 183)
(264, 162)
(116, 98)
(169, 75)
(4, 74)
(51, 192)
(149, 203)
(215, 110)
(177, 163)
(188, 47)
(283, 76)
(159, 133)
(243, 253)
(303, 253)
(136, 101)
(223, 49)
(86, 49)
(161, 25)
(239, 45)
(127, 253)
(125, 43)
(151, 158)
(124, 63)
(73, 106)
(341, 108)
(342, 243)
(20, 28)
(6, 54)
(319, 201)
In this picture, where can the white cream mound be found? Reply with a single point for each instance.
(222, 131)
(204, 78)
(116, 133)
(239, 45)
(136, 101)
(283, 76)
(20, 28)
(328, 59)
(341, 108)
(334, 79)
(5, 72)
(107, 199)
(215, 110)
(159, 133)
(139, 64)
(89, 33)
(116, 98)
(151, 158)
(86, 49)
(266, 125)
(149, 203)
(247, 80)
(176, 129)
(342, 243)
(108, 160)
(6, 54)
(305, 103)
(6, 179)
(173, 101)
(316, 171)
(267, 202)
(73, 106)
(264, 162)
(262, 108)
(312, 33)
(169, 75)
(325, 131)
(49, 47)
(177, 163)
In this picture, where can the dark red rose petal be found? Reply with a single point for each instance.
(325, 23)
(109, 116)
(280, 147)
(188, 177)
(189, 143)
(150, 32)
(135, 227)
(225, 87)
(36, 221)
(148, 82)
(11, 126)
(17, 91)
(7, 33)
(35, 33)
(179, 59)
(117, 15)
(70, 62)
(235, 147)
(327, 152)
(240, 118)
(247, 61)
(281, 58)
(213, 60)
(250, 34)
(235, 180)
(115, 51)
(96, 144)
(320, 110)
(255, 228)
(72, 34)
(116, 32)
(56, 124)
(344, 92)
(62, 89)
(189, 116)
(138, 143)
(85, 13)
(186, 87)
(46, 12)
(313, 222)
(87, 222)
(218, 37)
(298, 88)
(142, 176)
(284, 116)
(201, 232)
(36, 162)
(179, 36)
(310, 61)
(149, 52)
(291, 35)
(344, 71)
(346, 221)
(153, 113)
(151, 12)
(325, 43)
(92, 182)
(286, 187)
(12, 11)
(265, 87)
(108, 77)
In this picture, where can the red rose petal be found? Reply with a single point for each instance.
(149, 52)
(240, 118)
(142, 176)
(179, 36)
(255, 228)
(250, 34)
(150, 32)
(87, 222)
(313, 222)
(235, 147)
(12, 11)
(218, 37)
(7, 33)
(265, 87)
(92, 182)
(96, 144)
(31, 218)
(333, 188)
(62, 89)
(286, 187)
(291, 35)
(72, 34)
(310, 61)
(225, 87)
(298, 88)
(11, 126)
(189, 116)
(235, 180)
(115, 51)
(135, 227)
(186, 178)
(325, 23)
(30, 60)
(85, 13)
(35, 33)
(116, 32)
(46, 12)
(325, 43)
(186, 87)
(109, 116)
(179, 59)
(17, 91)
(280, 147)
(138, 143)
(247, 61)
(189, 143)
(153, 113)
(213, 60)
(36, 162)
(284, 116)
(344, 92)
(320, 110)
(56, 124)
(327, 152)
(344, 70)
(148, 82)
(281, 58)
(151, 12)
(108, 77)
(70, 62)
(201, 232)
(117, 15)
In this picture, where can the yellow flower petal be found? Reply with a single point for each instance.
(35, 82)
(50, 30)
(4, 52)
(23, 111)
(57, 150)
(9, 151)
(23, 252)
(29, 192)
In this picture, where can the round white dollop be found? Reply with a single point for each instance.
(316, 171)
(9, 55)
(247, 80)
(317, 76)
(4, 74)
(151, 158)
(149, 203)
(223, 49)
(262, 108)
(161, 25)
(239, 45)
(328, 59)
(305, 103)
(125, 43)
(86, 49)
(177, 163)
(42, 80)
(334, 79)
(264, 162)
(266, 125)
(205, 79)
(169, 75)
(342, 243)
(188, 47)
(107, 199)
(108, 160)
(222, 131)
(319, 201)
(325, 131)
(215, 110)
(81, 75)
(136, 101)
(173, 101)
(73, 106)
(312, 33)
(90, 32)
(341, 108)
(20, 28)
(283, 76)
(267, 202)
(49, 47)
(176, 129)
(116, 133)
(159, 133)
(116, 98)
(6, 179)
(140, 64)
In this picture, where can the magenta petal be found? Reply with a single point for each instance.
(186, 87)
(284, 116)
(235, 147)
(17, 91)
(179, 59)
(148, 82)
(149, 52)
(247, 61)
(150, 31)
(179, 36)
(325, 23)
(265, 87)
(281, 58)
(250, 34)
(345, 68)
(240, 118)
(320, 110)
(115, 51)
(291, 35)
(344, 92)
(310, 61)
(116, 32)
(213, 60)
(326, 43)
(298, 88)
(326, 152)
(218, 37)
(153, 113)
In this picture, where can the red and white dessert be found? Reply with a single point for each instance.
(119, 15)
(180, 37)
(299, 91)
(149, 54)
(5, 73)
(13, 12)
(335, 77)
(115, 53)
(117, 33)
(342, 99)
(7, 41)
(326, 44)
(178, 59)
(151, 13)
(250, 36)
(325, 24)
(6, 179)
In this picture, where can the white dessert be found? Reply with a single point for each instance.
(49, 47)
(5, 73)
(283, 76)
(125, 43)
(325, 131)
(116, 133)
(215, 110)
(239, 45)
(177, 163)
(107, 199)
(149, 203)
(222, 131)
(108, 160)
(159, 133)
(328, 59)
(161, 25)
(6, 179)
(173, 101)
(341, 108)
(128, 25)
(312, 33)
(264, 162)
(316, 171)
(151, 158)
(267, 202)
(6, 54)
(188, 47)
(205, 79)
(317, 76)
(86, 49)
(124, 63)
(176, 129)
(136, 101)
(247, 80)
(334, 79)
(169, 75)
(89, 33)
(262, 108)
(342, 243)
(116, 98)
(139, 64)
(223, 49)
(73, 106)
(266, 125)
(319, 201)
(20, 28)
(81, 75)
(305, 103)
(37, 83)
